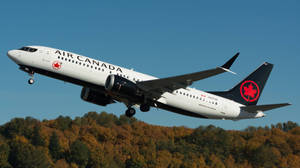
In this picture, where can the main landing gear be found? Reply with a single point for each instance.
(130, 112)
(144, 107)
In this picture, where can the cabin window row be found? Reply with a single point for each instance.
(80, 63)
(195, 97)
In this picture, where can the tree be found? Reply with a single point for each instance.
(19, 126)
(79, 153)
(24, 155)
(265, 156)
(63, 123)
(216, 162)
(106, 120)
(54, 147)
(37, 139)
(289, 126)
(123, 119)
(133, 163)
(4, 153)
(104, 140)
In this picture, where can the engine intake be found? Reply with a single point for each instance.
(122, 86)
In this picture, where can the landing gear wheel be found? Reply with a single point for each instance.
(144, 107)
(31, 74)
(130, 112)
(30, 81)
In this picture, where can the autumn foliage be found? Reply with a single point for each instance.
(104, 140)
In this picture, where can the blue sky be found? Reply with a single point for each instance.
(161, 38)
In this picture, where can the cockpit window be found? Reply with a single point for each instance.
(29, 49)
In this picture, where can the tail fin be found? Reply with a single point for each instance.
(248, 91)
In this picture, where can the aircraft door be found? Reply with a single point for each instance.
(45, 55)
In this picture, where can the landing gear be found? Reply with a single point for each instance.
(31, 81)
(144, 107)
(130, 112)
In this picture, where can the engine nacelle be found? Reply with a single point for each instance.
(122, 87)
(96, 97)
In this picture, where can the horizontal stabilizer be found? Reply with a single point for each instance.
(266, 107)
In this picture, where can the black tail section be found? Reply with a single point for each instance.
(248, 91)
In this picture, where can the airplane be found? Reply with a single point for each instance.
(104, 83)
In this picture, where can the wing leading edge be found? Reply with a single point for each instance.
(158, 86)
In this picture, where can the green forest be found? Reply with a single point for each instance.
(99, 140)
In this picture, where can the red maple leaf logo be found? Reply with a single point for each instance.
(249, 91)
(56, 65)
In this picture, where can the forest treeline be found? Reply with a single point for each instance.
(104, 140)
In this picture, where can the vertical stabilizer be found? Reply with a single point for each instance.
(249, 90)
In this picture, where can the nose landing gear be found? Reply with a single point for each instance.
(30, 73)
(31, 80)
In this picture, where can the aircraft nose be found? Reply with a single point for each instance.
(12, 54)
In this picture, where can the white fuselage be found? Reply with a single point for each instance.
(96, 72)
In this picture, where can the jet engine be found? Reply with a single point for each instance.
(123, 87)
(96, 97)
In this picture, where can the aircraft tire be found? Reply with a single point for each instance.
(30, 81)
(144, 107)
(130, 112)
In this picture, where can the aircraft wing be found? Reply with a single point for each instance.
(266, 107)
(157, 87)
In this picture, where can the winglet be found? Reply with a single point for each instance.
(228, 64)
(227, 70)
